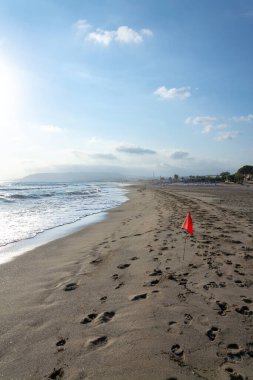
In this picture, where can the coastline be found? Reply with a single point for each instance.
(117, 301)
(12, 250)
(41, 237)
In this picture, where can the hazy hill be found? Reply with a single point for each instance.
(73, 177)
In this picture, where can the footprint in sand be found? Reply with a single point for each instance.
(151, 283)
(171, 325)
(61, 342)
(123, 266)
(96, 261)
(181, 297)
(223, 308)
(187, 319)
(89, 318)
(103, 299)
(212, 333)
(177, 350)
(244, 310)
(119, 285)
(234, 351)
(139, 297)
(103, 318)
(70, 286)
(106, 316)
(156, 272)
(134, 258)
(56, 374)
(234, 375)
(115, 276)
(247, 300)
(98, 342)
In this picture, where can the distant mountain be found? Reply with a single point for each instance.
(73, 177)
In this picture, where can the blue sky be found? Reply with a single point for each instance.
(134, 86)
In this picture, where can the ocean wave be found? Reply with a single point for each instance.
(4, 199)
(84, 193)
(26, 213)
(22, 196)
(80, 192)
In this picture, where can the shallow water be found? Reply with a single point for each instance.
(31, 210)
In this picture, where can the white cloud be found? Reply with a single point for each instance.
(245, 118)
(103, 156)
(82, 26)
(210, 123)
(49, 128)
(229, 135)
(179, 155)
(200, 120)
(182, 92)
(222, 126)
(132, 149)
(206, 122)
(123, 34)
(208, 128)
(103, 37)
(127, 35)
(147, 32)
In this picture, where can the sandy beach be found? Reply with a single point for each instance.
(119, 300)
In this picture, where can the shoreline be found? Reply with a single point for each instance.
(10, 251)
(116, 300)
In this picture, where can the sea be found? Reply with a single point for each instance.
(32, 214)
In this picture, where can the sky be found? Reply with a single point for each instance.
(147, 87)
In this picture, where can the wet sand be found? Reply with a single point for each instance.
(118, 300)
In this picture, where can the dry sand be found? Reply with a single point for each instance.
(117, 301)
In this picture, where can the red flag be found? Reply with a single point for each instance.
(188, 225)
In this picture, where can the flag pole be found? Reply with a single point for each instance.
(184, 246)
(188, 227)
